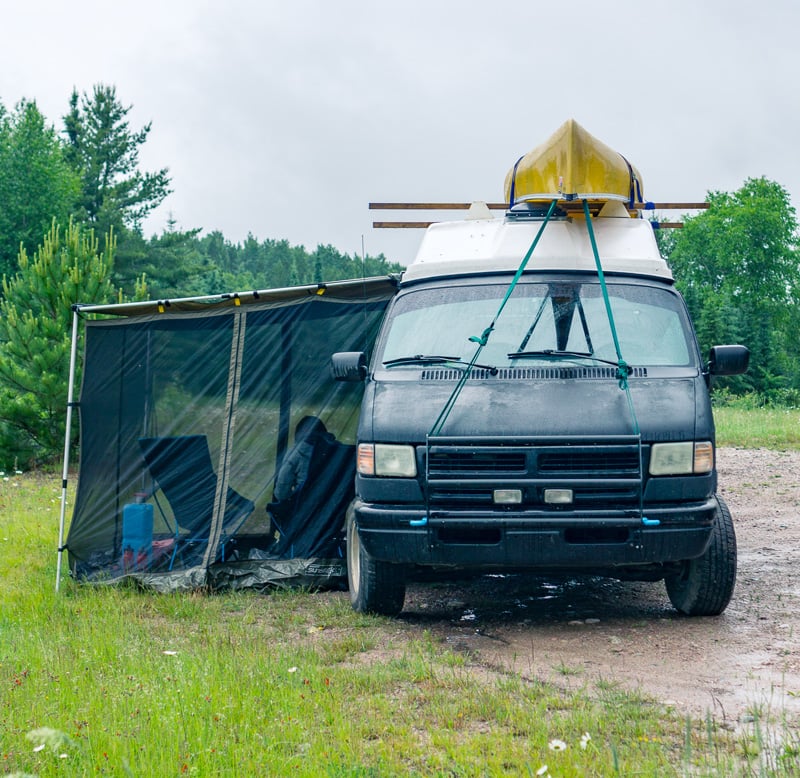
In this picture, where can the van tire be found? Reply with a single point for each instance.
(704, 586)
(375, 586)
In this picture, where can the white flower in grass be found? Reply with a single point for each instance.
(542, 770)
(557, 745)
(46, 736)
(292, 670)
(585, 738)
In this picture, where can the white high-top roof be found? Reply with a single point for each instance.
(487, 245)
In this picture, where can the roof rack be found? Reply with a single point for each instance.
(568, 206)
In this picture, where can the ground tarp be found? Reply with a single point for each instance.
(187, 409)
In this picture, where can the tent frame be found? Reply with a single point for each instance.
(353, 290)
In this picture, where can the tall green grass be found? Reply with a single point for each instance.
(116, 681)
(777, 428)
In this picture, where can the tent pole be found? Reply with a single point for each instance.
(67, 436)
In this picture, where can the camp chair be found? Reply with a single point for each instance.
(181, 468)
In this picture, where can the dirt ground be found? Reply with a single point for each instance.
(741, 664)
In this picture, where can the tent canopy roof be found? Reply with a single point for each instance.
(355, 289)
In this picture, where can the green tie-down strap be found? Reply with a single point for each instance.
(483, 338)
(623, 368)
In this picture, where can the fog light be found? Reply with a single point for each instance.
(558, 496)
(508, 496)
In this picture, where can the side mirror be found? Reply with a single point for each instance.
(349, 366)
(728, 360)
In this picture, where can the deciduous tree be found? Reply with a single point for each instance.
(36, 182)
(738, 265)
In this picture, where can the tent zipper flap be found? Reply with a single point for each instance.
(226, 442)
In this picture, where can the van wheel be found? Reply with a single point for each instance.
(704, 586)
(375, 586)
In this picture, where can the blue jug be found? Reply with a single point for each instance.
(137, 534)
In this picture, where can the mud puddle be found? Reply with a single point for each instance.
(580, 632)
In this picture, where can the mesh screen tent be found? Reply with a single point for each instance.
(187, 410)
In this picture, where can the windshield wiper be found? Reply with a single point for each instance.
(435, 359)
(550, 353)
(416, 359)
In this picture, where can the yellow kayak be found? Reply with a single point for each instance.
(573, 165)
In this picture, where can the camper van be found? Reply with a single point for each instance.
(549, 417)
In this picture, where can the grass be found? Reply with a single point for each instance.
(116, 681)
(776, 428)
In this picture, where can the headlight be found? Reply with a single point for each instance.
(385, 459)
(681, 458)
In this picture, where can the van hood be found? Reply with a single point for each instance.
(404, 411)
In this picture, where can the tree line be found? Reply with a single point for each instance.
(72, 204)
(738, 267)
(88, 174)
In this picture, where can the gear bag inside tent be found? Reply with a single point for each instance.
(192, 413)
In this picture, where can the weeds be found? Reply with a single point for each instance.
(116, 681)
(776, 428)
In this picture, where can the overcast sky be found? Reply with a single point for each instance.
(285, 119)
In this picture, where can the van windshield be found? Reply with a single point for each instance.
(539, 321)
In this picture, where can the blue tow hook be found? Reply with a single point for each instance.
(650, 522)
(418, 522)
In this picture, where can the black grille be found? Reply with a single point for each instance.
(464, 474)
(477, 462)
(576, 463)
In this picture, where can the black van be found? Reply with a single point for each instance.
(551, 418)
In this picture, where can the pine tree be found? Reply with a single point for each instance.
(35, 338)
(104, 151)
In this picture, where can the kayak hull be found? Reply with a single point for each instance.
(573, 165)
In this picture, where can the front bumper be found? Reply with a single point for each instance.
(587, 540)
